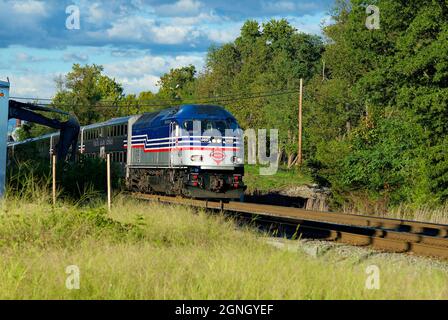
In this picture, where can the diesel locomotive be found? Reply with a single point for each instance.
(190, 150)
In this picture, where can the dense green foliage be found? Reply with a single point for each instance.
(269, 59)
(83, 89)
(382, 114)
(83, 180)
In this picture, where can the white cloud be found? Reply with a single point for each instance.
(279, 6)
(310, 23)
(201, 18)
(142, 74)
(156, 65)
(24, 57)
(135, 28)
(136, 68)
(147, 30)
(102, 13)
(29, 7)
(228, 34)
(96, 14)
(180, 8)
(75, 57)
(136, 85)
(172, 34)
(33, 85)
(289, 7)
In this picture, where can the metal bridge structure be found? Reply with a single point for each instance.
(11, 109)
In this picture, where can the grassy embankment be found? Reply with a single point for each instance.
(148, 251)
(283, 178)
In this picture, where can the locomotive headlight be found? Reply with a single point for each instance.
(237, 160)
(196, 158)
(216, 140)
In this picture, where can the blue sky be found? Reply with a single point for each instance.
(135, 40)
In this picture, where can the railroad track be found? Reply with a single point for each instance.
(394, 235)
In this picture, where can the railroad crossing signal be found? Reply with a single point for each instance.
(4, 110)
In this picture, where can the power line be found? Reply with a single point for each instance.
(127, 104)
(158, 100)
(34, 99)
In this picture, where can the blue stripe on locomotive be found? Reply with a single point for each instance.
(157, 125)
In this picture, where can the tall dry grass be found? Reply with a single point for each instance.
(149, 251)
(363, 205)
(428, 213)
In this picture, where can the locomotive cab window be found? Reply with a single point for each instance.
(207, 125)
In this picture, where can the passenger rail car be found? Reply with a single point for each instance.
(191, 150)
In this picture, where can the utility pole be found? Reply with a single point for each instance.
(299, 151)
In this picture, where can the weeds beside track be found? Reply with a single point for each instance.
(394, 235)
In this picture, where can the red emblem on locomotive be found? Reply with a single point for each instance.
(217, 156)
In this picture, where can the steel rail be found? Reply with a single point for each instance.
(395, 235)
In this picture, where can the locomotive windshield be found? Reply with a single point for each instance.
(207, 125)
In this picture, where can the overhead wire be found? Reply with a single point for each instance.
(169, 102)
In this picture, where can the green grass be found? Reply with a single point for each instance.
(148, 251)
(282, 179)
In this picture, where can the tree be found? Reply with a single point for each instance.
(395, 80)
(83, 89)
(177, 84)
(264, 59)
